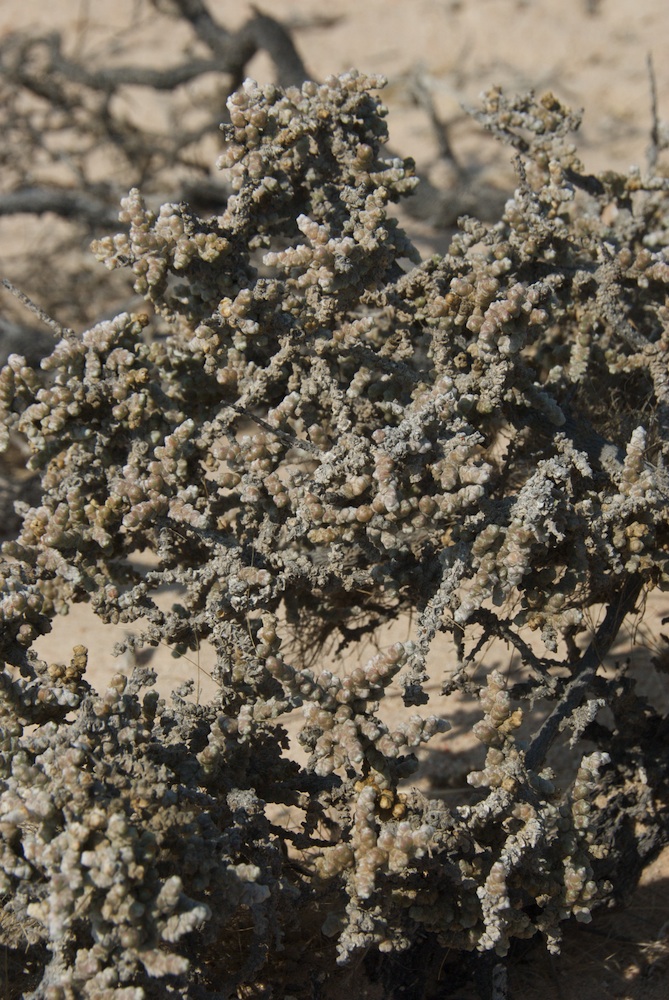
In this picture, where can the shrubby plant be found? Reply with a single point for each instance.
(314, 432)
(69, 102)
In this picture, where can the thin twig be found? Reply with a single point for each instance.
(81, 206)
(654, 148)
(36, 310)
(422, 96)
(289, 439)
(585, 672)
(501, 628)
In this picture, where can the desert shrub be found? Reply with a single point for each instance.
(314, 432)
(89, 114)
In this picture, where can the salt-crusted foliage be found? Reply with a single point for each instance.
(315, 434)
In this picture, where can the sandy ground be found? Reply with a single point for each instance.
(591, 54)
